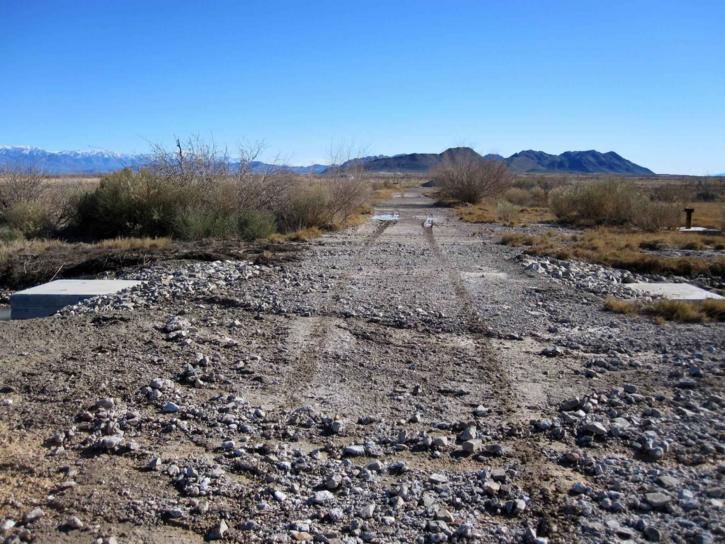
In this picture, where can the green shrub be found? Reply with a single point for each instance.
(130, 203)
(31, 218)
(255, 224)
(8, 234)
(309, 206)
(197, 223)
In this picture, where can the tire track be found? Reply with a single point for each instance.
(305, 367)
(496, 375)
(538, 474)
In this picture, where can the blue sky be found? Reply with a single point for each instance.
(643, 78)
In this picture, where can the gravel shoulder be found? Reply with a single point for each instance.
(388, 383)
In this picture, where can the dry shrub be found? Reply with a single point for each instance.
(612, 203)
(520, 197)
(506, 211)
(28, 206)
(468, 178)
(653, 216)
(18, 186)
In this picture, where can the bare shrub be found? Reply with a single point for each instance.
(654, 216)
(468, 178)
(20, 185)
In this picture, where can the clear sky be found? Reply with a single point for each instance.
(643, 78)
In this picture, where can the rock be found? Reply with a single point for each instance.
(366, 512)
(355, 450)
(437, 478)
(399, 467)
(667, 481)
(74, 523)
(578, 488)
(110, 442)
(515, 507)
(33, 515)
(471, 446)
(498, 475)
(218, 531)
(321, 497)
(595, 428)
(491, 488)
(570, 404)
(652, 534)
(543, 424)
(469, 433)
(170, 407)
(480, 411)
(657, 500)
(106, 404)
(554, 351)
(333, 481)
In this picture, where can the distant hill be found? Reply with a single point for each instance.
(410, 162)
(103, 162)
(578, 162)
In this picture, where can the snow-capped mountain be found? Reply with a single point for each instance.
(68, 162)
(102, 162)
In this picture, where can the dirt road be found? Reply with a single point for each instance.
(393, 383)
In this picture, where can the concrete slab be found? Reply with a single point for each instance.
(700, 230)
(676, 291)
(44, 300)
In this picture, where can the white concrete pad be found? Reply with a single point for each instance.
(676, 291)
(46, 299)
(701, 230)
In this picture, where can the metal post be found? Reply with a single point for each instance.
(688, 217)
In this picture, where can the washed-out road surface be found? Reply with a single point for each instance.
(386, 383)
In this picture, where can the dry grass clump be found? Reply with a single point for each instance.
(627, 250)
(134, 243)
(487, 211)
(507, 212)
(684, 311)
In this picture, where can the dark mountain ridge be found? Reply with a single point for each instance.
(577, 162)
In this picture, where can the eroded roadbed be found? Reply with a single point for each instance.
(391, 384)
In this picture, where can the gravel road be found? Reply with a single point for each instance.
(389, 383)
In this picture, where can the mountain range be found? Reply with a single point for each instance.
(575, 162)
(101, 162)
